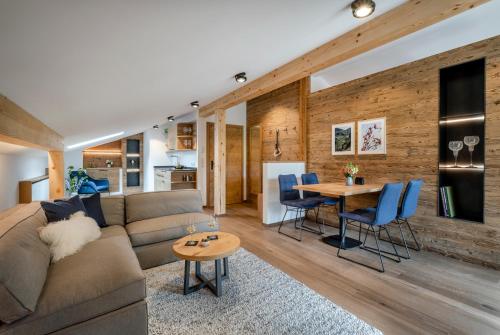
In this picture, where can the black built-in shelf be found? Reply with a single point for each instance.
(462, 111)
(133, 162)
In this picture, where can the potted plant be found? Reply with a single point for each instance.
(349, 171)
(74, 181)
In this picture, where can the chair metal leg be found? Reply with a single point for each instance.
(404, 241)
(393, 246)
(295, 223)
(283, 220)
(384, 253)
(359, 263)
(400, 222)
(378, 248)
(413, 235)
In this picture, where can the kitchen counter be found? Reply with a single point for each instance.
(173, 168)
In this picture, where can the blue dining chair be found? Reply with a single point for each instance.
(408, 208)
(290, 198)
(323, 201)
(385, 212)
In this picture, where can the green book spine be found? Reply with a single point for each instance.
(444, 205)
(451, 204)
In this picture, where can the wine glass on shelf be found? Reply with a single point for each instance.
(471, 142)
(455, 146)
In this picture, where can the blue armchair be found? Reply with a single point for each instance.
(91, 185)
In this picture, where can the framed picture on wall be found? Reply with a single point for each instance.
(343, 137)
(372, 137)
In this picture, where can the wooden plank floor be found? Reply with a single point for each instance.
(429, 294)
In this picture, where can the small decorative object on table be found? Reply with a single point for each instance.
(349, 171)
(359, 181)
(205, 242)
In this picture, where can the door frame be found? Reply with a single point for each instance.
(207, 160)
(257, 125)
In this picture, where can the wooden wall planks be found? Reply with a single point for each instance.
(408, 96)
(279, 109)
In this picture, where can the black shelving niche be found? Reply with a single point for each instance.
(462, 113)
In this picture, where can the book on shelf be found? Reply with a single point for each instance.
(444, 205)
(451, 203)
(448, 204)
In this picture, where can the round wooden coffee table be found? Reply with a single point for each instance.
(218, 249)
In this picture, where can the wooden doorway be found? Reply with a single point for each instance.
(254, 165)
(234, 164)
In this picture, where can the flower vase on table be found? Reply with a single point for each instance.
(349, 171)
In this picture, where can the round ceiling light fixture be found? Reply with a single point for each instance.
(240, 77)
(156, 126)
(171, 119)
(195, 104)
(362, 8)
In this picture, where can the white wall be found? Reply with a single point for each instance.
(20, 166)
(156, 150)
(236, 115)
(73, 158)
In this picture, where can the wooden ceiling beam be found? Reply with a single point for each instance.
(19, 127)
(403, 20)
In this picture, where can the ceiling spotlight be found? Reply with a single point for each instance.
(171, 119)
(241, 77)
(156, 126)
(362, 8)
(195, 104)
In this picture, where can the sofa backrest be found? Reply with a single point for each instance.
(113, 208)
(24, 260)
(142, 206)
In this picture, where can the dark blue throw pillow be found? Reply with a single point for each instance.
(94, 210)
(62, 209)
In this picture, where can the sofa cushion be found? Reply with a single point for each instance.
(103, 277)
(61, 209)
(113, 209)
(112, 231)
(143, 206)
(94, 210)
(166, 228)
(24, 260)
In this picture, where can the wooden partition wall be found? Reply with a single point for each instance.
(19, 127)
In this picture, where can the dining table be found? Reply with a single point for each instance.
(341, 191)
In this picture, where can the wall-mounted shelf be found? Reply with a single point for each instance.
(462, 114)
(186, 136)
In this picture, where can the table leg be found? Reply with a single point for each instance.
(340, 239)
(218, 278)
(215, 285)
(187, 273)
(226, 268)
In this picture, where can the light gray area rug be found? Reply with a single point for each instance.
(257, 299)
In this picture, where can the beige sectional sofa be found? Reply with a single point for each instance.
(101, 289)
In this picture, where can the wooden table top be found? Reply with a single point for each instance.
(225, 246)
(340, 189)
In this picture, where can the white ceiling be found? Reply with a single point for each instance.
(471, 26)
(96, 67)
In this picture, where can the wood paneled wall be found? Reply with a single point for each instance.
(408, 96)
(279, 109)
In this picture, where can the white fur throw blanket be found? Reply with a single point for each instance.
(67, 237)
